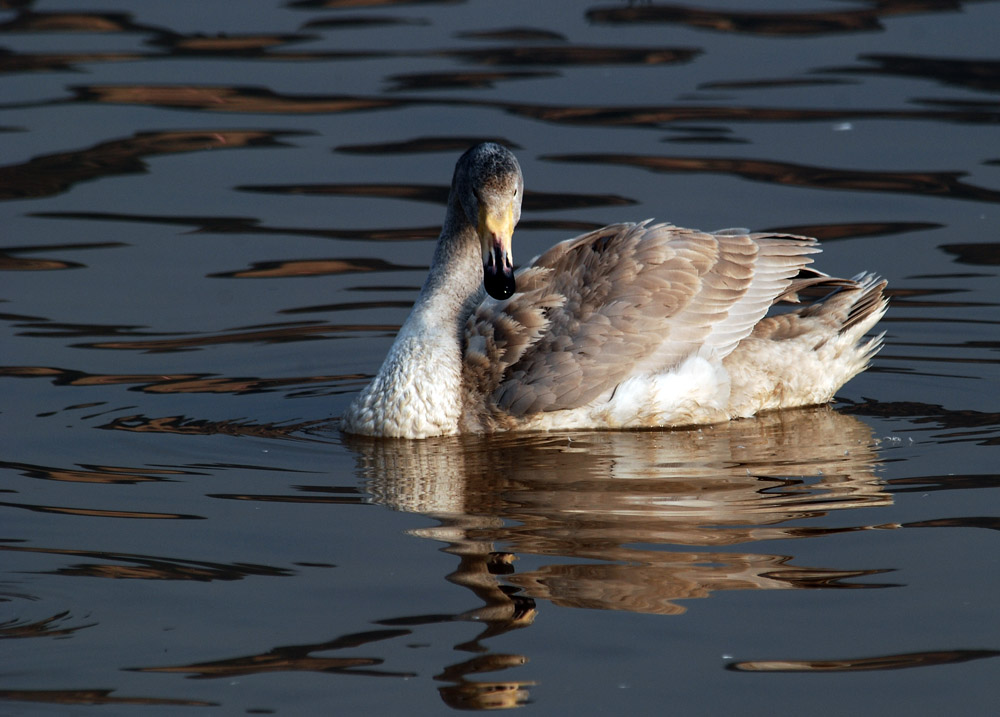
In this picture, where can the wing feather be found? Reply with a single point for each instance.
(621, 300)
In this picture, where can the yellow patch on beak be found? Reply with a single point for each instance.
(498, 267)
(496, 229)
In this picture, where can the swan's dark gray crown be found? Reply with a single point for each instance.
(490, 170)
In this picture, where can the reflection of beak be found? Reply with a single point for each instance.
(495, 234)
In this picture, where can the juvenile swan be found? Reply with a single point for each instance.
(629, 326)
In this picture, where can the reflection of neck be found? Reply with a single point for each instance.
(474, 554)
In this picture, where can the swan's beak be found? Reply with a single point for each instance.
(495, 234)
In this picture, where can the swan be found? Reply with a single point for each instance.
(634, 325)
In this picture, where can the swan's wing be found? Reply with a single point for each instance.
(619, 301)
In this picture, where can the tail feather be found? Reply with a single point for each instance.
(872, 302)
(804, 356)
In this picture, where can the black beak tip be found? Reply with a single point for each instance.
(499, 285)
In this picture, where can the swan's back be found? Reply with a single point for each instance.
(630, 304)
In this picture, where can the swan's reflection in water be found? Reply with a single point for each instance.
(633, 521)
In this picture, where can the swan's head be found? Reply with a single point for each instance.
(489, 186)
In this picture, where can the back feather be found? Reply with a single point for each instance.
(622, 300)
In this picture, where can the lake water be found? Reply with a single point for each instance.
(214, 217)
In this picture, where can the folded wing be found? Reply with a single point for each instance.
(623, 300)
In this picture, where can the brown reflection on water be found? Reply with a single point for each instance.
(514, 34)
(333, 495)
(99, 513)
(132, 566)
(438, 194)
(415, 82)
(358, 305)
(249, 225)
(28, 20)
(46, 627)
(860, 664)
(175, 383)
(576, 55)
(43, 327)
(221, 98)
(855, 230)
(771, 83)
(264, 335)
(15, 263)
(660, 115)
(425, 144)
(233, 47)
(938, 184)
(311, 267)
(975, 74)
(186, 426)
(261, 100)
(116, 475)
(295, 658)
(478, 694)
(94, 697)
(230, 44)
(989, 522)
(11, 62)
(354, 21)
(928, 484)
(56, 173)
(985, 254)
(264, 45)
(790, 24)
(961, 106)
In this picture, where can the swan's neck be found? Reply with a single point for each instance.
(454, 284)
(417, 392)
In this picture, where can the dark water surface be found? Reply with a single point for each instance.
(214, 217)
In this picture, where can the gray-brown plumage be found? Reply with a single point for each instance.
(631, 325)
